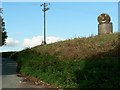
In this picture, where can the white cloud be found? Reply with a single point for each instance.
(15, 45)
(52, 39)
(37, 40)
(11, 42)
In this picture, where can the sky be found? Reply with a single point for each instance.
(64, 20)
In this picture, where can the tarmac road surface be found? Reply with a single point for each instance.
(10, 78)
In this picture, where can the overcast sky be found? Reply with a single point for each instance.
(64, 20)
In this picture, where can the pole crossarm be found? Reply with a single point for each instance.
(45, 8)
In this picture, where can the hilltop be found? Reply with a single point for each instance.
(75, 63)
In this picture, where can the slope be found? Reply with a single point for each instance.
(91, 62)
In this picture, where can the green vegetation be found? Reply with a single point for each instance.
(91, 62)
(3, 33)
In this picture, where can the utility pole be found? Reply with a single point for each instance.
(45, 8)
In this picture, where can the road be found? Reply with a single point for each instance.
(9, 77)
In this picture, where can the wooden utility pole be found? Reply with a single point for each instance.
(45, 8)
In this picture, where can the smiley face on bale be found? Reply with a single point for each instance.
(103, 18)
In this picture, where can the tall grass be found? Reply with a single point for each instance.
(91, 62)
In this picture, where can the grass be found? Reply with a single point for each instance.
(91, 62)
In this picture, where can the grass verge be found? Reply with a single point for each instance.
(91, 62)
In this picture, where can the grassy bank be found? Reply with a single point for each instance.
(77, 63)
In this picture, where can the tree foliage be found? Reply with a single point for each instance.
(3, 33)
